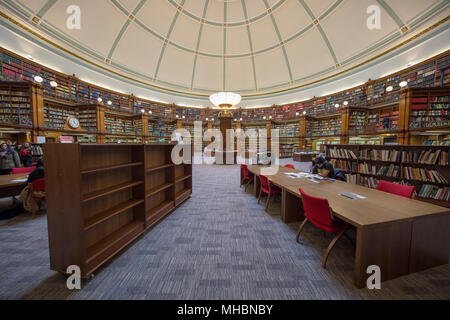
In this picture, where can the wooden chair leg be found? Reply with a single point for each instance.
(330, 247)
(259, 197)
(300, 229)
(267, 202)
(252, 180)
(248, 183)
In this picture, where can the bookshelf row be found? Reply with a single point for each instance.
(426, 169)
(373, 93)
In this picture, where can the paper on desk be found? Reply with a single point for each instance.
(20, 180)
(304, 175)
(354, 195)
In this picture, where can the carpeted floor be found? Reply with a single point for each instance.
(220, 244)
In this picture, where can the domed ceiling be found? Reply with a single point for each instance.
(254, 47)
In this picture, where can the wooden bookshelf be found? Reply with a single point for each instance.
(102, 197)
(16, 105)
(425, 167)
(384, 111)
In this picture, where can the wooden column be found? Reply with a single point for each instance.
(404, 104)
(225, 123)
(100, 124)
(179, 124)
(37, 105)
(269, 135)
(131, 103)
(302, 132)
(345, 119)
(145, 128)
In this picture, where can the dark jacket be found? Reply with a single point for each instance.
(36, 174)
(25, 157)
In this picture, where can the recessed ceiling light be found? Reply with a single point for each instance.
(54, 84)
(403, 84)
(389, 89)
(38, 79)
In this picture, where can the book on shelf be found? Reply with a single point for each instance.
(380, 155)
(341, 153)
(438, 157)
(351, 178)
(347, 166)
(369, 182)
(422, 174)
(434, 192)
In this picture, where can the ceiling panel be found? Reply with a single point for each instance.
(157, 15)
(239, 74)
(209, 73)
(288, 27)
(145, 53)
(305, 61)
(176, 66)
(99, 28)
(271, 68)
(348, 39)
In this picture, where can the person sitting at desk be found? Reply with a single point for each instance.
(323, 168)
(37, 173)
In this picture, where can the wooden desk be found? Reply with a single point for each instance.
(399, 235)
(9, 187)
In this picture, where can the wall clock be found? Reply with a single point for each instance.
(74, 123)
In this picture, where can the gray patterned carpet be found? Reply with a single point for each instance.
(220, 244)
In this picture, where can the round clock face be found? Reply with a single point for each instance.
(74, 123)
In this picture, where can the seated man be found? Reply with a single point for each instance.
(323, 168)
(37, 173)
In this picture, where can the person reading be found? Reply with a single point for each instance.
(323, 168)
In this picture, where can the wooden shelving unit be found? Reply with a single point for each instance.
(425, 167)
(102, 197)
(372, 110)
(16, 107)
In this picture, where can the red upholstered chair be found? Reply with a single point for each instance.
(394, 188)
(318, 212)
(291, 166)
(247, 177)
(267, 188)
(38, 193)
(22, 170)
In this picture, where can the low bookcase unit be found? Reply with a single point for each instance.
(102, 197)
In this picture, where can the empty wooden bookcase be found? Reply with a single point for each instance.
(102, 197)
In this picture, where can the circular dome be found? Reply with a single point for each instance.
(254, 48)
